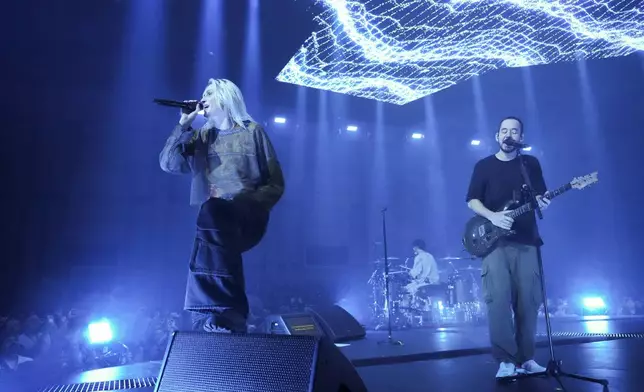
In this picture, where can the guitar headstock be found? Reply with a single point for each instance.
(584, 181)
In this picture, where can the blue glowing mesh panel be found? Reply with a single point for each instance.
(398, 51)
(203, 362)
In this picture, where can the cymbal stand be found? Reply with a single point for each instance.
(390, 339)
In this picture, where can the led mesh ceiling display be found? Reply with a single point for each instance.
(398, 51)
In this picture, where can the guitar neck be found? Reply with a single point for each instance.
(549, 194)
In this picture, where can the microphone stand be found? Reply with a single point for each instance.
(553, 369)
(390, 339)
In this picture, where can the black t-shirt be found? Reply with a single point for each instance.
(495, 182)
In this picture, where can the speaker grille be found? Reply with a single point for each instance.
(116, 385)
(209, 362)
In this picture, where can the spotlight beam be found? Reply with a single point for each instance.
(398, 51)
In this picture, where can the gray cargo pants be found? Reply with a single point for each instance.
(512, 287)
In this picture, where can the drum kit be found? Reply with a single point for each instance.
(455, 300)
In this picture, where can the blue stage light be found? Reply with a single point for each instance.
(398, 51)
(594, 303)
(593, 306)
(100, 332)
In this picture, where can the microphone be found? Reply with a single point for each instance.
(513, 143)
(187, 107)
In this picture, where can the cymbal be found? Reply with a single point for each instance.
(456, 258)
(469, 268)
(380, 260)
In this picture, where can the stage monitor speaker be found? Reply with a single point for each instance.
(218, 362)
(332, 321)
(293, 324)
(338, 324)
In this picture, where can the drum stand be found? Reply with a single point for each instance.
(390, 339)
(553, 369)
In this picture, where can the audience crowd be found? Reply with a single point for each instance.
(58, 344)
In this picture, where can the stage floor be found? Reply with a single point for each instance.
(456, 359)
(616, 361)
(451, 342)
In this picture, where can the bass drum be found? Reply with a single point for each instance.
(459, 290)
(415, 303)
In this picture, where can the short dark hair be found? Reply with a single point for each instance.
(419, 244)
(517, 119)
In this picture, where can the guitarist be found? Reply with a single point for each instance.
(510, 273)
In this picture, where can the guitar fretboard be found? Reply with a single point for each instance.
(549, 195)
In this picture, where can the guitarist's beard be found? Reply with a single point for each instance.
(507, 149)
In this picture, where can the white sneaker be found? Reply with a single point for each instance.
(506, 369)
(531, 367)
(215, 329)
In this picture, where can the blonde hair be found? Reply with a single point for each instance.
(231, 100)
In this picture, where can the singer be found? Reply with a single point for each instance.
(510, 275)
(236, 181)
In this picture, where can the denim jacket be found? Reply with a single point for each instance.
(231, 164)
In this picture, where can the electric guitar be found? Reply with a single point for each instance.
(481, 236)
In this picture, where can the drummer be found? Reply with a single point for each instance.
(425, 270)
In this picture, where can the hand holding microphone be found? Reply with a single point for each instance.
(188, 115)
(189, 109)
